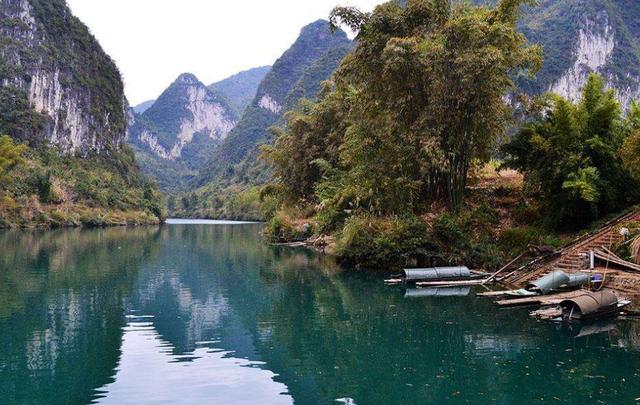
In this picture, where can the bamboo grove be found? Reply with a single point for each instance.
(418, 101)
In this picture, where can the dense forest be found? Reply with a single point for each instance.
(406, 155)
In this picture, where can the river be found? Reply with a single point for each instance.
(192, 313)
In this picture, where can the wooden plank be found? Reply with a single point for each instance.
(540, 299)
(616, 260)
(495, 293)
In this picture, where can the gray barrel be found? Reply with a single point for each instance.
(550, 282)
(437, 273)
(578, 279)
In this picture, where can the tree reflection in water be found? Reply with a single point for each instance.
(94, 314)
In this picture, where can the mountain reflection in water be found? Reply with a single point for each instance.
(210, 314)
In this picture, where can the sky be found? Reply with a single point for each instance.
(153, 41)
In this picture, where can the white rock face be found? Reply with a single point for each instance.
(151, 141)
(69, 129)
(72, 122)
(630, 93)
(596, 43)
(270, 104)
(25, 13)
(203, 114)
(207, 117)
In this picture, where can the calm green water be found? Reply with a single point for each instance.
(207, 314)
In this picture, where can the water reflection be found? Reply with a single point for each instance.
(149, 372)
(202, 313)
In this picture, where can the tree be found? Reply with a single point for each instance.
(10, 156)
(630, 151)
(570, 156)
(312, 132)
(420, 97)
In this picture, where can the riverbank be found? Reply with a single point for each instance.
(47, 217)
(47, 189)
(498, 223)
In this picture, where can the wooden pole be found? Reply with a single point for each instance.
(494, 275)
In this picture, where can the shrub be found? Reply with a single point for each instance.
(372, 242)
(281, 228)
(516, 240)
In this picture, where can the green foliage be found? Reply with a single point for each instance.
(410, 108)
(570, 155)
(371, 241)
(11, 154)
(282, 228)
(42, 185)
(630, 151)
(514, 241)
(50, 189)
(468, 237)
(16, 116)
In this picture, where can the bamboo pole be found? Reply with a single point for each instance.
(494, 275)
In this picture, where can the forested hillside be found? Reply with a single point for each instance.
(62, 97)
(393, 165)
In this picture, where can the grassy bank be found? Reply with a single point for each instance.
(42, 188)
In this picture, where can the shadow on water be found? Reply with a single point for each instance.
(195, 313)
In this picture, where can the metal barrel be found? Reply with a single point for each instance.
(591, 302)
(550, 282)
(436, 273)
(578, 279)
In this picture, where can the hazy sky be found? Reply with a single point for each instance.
(153, 41)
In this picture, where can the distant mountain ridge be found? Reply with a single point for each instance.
(142, 107)
(240, 89)
(296, 74)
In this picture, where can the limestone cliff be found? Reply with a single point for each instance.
(179, 132)
(57, 84)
